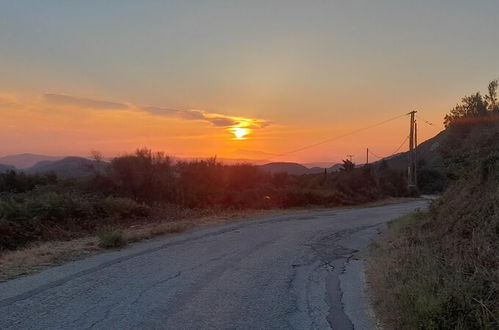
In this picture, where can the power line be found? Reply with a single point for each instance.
(393, 153)
(401, 145)
(430, 123)
(340, 136)
(373, 154)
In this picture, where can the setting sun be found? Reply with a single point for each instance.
(239, 132)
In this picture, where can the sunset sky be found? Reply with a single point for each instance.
(236, 79)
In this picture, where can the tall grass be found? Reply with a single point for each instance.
(440, 269)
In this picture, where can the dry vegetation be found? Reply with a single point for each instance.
(427, 272)
(147, 187)
(440, 269)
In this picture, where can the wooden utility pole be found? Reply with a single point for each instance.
(367, 156)
(415, 153)
(411, 170)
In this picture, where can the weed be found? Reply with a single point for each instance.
(111, 239)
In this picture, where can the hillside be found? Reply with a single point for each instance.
(4, 168)
(26, 160)
(66, 167)
(428, 155)
(279, 167)
(439, 269)
(295, 168)
(427, 152)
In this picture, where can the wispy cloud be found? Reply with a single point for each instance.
(68, 100)
(215, 119)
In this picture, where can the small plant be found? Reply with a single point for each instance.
(111, 239)
(125, 207)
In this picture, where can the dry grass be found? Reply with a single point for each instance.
(427, 273)
(42, 255)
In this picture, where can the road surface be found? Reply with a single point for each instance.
(283, 272)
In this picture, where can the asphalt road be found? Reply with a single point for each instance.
(282, 272)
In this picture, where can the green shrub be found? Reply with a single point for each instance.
(124, 207)
(10, 210)
(56, 206)
(18, 182)
(111, 239)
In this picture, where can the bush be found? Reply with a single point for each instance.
(124, 207)
(10, 210)
(59, 216)
(56, 206)
(111, 239)
(18, 182)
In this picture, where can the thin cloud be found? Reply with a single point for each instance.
(62, 99)
(214, 119)
(160, 111)
(222, 122)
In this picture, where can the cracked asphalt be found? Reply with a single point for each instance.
(282, 272)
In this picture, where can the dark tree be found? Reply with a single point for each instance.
(474, 106)
(347, 165)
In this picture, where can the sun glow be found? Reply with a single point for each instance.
(239, 133)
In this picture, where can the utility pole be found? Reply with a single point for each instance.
(367, 156)
(411, 170)
(416, 153)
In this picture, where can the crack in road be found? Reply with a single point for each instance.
(154, 285)
(334, 256)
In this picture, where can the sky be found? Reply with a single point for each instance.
(236, 79)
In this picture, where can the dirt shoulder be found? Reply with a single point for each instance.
(41, 255)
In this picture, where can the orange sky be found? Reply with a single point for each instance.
(182, 77)
(62, 124)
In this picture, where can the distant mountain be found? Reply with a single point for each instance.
(335, 168)
(290, 168)
(5, 168)
(316, 170)
(295, 168)
(66, 167)
(250, 154)
(232, 161)
(246, 156)
(322, 165)
(22, 161)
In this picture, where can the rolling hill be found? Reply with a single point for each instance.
(5, 168)
(279, 167)
(66, 167)
(26, 160)
(428, 152)
(295, 168)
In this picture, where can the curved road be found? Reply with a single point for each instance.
(282, 272)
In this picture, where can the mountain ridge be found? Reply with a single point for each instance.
(26, 160)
